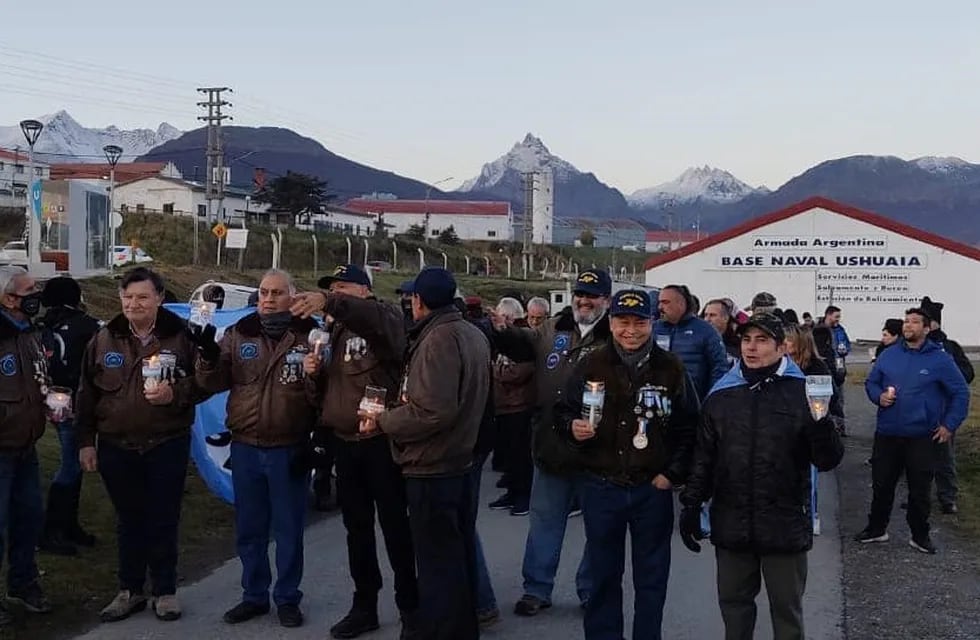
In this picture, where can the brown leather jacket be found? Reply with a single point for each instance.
(513, 386)
(269, 404)
(368, 343)
(444, 397)
(23, 383)
(110, 395)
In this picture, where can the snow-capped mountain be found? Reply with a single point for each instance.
(63, 139)
(577, 193)
(696, 183)
(934, 164)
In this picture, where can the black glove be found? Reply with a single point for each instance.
(203, 338)
(690, 528)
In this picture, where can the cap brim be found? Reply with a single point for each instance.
(326, 281)
(742, 328)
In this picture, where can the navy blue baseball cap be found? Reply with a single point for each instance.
(346, 273)
(407, 287)
(435, 286)
(593, 282)
(631, 302)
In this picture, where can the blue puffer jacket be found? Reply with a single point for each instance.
(930, 390)
(698, 346)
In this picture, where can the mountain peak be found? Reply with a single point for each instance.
(934, 164)
(696, 183)
(529, 155)
(531, 140)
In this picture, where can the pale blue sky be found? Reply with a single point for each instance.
(635, 91)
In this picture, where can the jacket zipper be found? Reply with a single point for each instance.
(755, 424)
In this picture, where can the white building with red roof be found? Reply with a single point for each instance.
(821, 252)
(471, 220)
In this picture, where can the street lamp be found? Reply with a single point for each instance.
(428, 191)
(32, 131)
(112, 154)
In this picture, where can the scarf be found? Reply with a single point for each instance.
(757, 376)
(274, 325)
(633, 359)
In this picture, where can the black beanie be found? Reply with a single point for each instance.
(893, 326)
(61, 292)
(933, 309)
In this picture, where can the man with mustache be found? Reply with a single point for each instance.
(558, 345)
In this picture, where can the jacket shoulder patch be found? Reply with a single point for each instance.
(8, 365)
(113, 360)
(248, 351)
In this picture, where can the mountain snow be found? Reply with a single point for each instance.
(696, 183)
(528, 155)
(934, 164)
(63, 139)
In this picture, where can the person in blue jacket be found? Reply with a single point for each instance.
(921, 397)
(690, 338)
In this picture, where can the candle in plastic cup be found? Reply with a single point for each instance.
(58, 402)
(202, 313)
(318, 339)
(593, 398)
(152, 372)
(373, 402)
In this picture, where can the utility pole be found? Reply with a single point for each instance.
(215, 180)
(529, 188)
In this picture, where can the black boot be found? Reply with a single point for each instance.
(73, 530)
(54, 538)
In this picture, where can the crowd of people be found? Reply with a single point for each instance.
(605, 408)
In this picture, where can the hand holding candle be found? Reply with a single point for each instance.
(371, 407)
(593, 397)
(58, 402)
(152, 372)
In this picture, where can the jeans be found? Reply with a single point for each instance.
(368, 480)
(485, 599)
(21, 514)
(441, 516)
(889, 457)
(946, 487)
(269, 494)
(739, 581)
(69, 469)
(146, 489)
(551, 500)
(609, 509)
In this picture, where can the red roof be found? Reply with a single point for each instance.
(125, 171)
(802, 207)
(674, 236)
(434, 207)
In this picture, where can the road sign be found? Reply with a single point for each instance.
(237, 239)
(219, 230)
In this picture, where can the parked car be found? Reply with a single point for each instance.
(236, 295)
(126, 254)
(378, 265)
(14, 252)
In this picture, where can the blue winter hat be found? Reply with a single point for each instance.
(593, 282)
(405, 287)
(435, 286)
(631, 302)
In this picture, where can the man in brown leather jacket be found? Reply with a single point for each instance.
(367, 345)
(433, 433)
(271, 413)
(23, 384)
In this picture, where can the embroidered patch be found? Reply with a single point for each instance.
(552, 361)
(248, 351)
(561, 342)
(113, 360)
(8, 365)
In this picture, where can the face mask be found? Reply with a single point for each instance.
(274, 325)
(30, 304)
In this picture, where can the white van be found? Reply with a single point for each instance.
(236, 295)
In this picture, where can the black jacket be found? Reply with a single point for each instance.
(755, 448)
(611, 453)
(65, 332)
(953, 348)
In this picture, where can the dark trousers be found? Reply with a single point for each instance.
(648, 513)
(269, 495)
(515, 429)
(21, 514)
(739, 581)
(146, 490)
(323, 443)
(890, 456)
(946, 487)
(368, 480)
(441, 515)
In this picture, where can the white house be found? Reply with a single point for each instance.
(341, 220)
(162, 194)
(470, 220)
(14, 177)
(657, 241)
(820, 252)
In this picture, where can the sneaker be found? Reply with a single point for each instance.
(922, 544)
(576, 511)
(245, 611)
(167, 607)
(529, 606)
(521, 508)
(868, 535)
(355, 623)
(488, 618)
(505, 501)
(290, 615)
(122, 606)
(31, 597)
(950, 509)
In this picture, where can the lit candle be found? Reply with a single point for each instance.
(152, 372)
(891, 392)
(58, 401)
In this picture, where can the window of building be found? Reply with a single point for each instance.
(140, 208)
(1, 166)
(348, 229)
(434, 232)
(38, 171)
(168, 207)
(358, 230)
(202, 210)
(491, 233)
(18, 168)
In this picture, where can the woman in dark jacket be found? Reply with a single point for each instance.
(890, 334)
